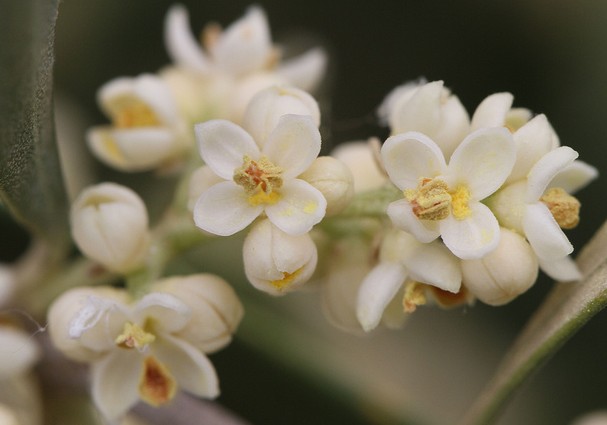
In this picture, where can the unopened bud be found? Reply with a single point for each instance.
(334, 180)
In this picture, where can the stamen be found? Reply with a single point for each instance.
(135, 114)
(260, 179)
(157, 386)
(430, 200)
(134, 337)
(287, 279)
(414, 296)
(564, 208)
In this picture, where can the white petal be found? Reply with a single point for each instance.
(473, 236)
(167, 311)
(421, 112)
(293, 144)
(483, 161)
(181, 46)
(454, 126)
(408, 157)
(245, 46)
(224, 209)
(301, 206)
(306, 70)
(562, 270)
(396, 96)
(155, 92)
(401, 214)
(115, 381)
(18, 351)
(191, 369)
(376, 291)
(575, 176)
(546, 169)
(533, 140)
(544, 234)
(435, 265)
(223, 145)
(492, 111)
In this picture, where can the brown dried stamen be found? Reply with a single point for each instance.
(564, 208)
(430, 200)
(157, 386)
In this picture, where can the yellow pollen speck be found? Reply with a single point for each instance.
(430, 200)
(414, 296)
(135, 114)
(310, 207)
(134, 337)
(459, 202)
(564, 208)
(287, 279)
(156, 385)
(261, 197)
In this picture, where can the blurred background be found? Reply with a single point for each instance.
(287, 365)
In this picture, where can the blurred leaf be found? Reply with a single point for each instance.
(567, 308)
(31, 184)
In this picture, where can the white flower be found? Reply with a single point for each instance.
(136, 352)
(216, 309)
(109, 224)
(534, 207)
(147, 130)
(276, 262)
(504, 273)
(259, 180)
(334, 180)
(444, 200)
(427, 108)
(268, 105)
(403, 257)
(243, 48)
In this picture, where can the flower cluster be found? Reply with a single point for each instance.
(448, 210)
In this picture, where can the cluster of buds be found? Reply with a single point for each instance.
(448, 210)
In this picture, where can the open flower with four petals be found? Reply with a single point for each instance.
(444, 200)
(259, 180)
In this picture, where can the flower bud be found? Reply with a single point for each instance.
(361, 160)
(334, 180)
(216, 309)
(110, 225)
(276, 262)
(245, 89)
(504, 273)
(429, 108)
(18, 352)
(60, 320)
(267, 106)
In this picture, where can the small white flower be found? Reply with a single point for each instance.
(147, 130)
(137, 352)
(504, 273)
(538, 209)
(259, 180)
(403, 257)
(444, 200)
(334, 180)
(428, 108)
(243, 49)
(109, 224)
(276, 262)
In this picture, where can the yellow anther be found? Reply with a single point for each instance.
(564, 208)
(135, 114)
(287, 279)
(430, 200)
(134, 337)
(260, 179)
(415, 295)
(156, 385)
(459, 202)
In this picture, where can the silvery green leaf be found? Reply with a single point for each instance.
(567, 308)
(31, 185)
